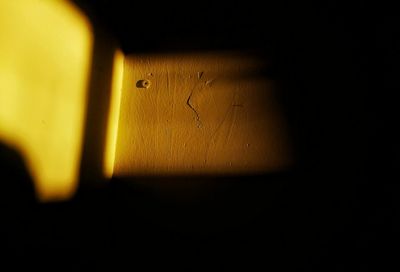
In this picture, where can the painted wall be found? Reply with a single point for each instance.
(200, 113)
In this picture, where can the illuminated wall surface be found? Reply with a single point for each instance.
(113, 115)
(185, 114)
(199, 114)
(45, 53)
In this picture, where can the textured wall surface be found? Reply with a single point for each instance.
(208, 113)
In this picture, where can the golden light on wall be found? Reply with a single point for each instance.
(202, 113)
(182, 114)
(113, 115)
(45, 54)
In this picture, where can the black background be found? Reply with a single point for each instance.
(336, 64)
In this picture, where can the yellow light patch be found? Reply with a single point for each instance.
(45, 53)
(113, 115)
(210, 113)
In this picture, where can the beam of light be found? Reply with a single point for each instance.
(113, 115)
(207, 113)
(45, 54)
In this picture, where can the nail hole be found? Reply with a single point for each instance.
(143, 83)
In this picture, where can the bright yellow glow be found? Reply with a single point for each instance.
(113, 116)
(45, 53)
(203, 113)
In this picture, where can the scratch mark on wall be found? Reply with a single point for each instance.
(209, 82)
(234, 104)
(189, 103)
(233, 122)
(227, 113)
(220, 124)
(231, 125)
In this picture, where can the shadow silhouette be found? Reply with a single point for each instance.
(18, 203)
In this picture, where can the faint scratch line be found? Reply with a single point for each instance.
(228, 137)
(234, 106)
(221, 123)
(213, 136)
(188, 102)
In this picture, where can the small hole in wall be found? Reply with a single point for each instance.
(143, 83)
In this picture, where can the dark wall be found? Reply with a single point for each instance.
(336, 210)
